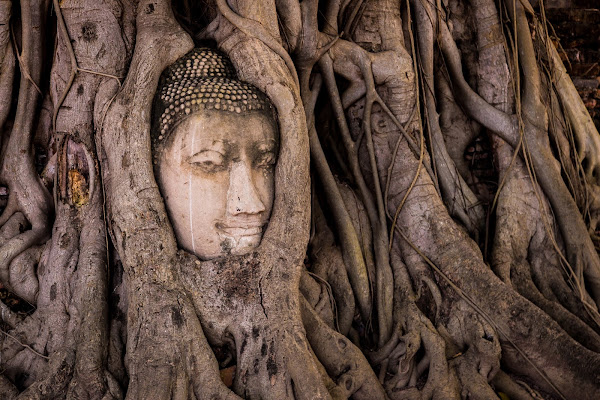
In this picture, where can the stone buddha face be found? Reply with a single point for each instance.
(215, 144)
(216, 175)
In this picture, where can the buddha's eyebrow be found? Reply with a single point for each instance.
(222, 146)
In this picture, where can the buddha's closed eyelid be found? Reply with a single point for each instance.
(209, 160)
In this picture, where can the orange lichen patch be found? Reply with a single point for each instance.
(79, 188)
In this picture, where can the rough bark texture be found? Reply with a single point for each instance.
(431, 235)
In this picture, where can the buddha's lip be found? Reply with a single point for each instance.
(241, 229)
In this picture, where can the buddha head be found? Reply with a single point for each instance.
(215, 144)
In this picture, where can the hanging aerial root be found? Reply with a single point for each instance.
(581, 253)
(459, 198)
(353, 257)
(584, 129)
(26, 193)
(384, 297)
(7, 62)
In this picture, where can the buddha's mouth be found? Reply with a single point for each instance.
(240, 230)
(239, 238)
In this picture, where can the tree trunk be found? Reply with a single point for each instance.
(392, 267)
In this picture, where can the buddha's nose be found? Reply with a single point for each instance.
(243, 196)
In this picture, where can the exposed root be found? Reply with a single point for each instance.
(9, 251)
(341, 358)
(257, 30)
(351, 249)
(328, 264)
(26, 193)
(457, 195)
(23, 273)
(504, 383)
(580, 251)
(587, 139)
(7, 62)
(478, 359)
(414, 331)
(60, 370)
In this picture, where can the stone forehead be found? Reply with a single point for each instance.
(203, 79)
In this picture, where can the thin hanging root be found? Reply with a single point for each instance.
(22, 63)
(289, 13)
(460, 199)
(256, 30)
(410, 188)
(584, 129)
(26, 194)
(352, 253)
(384, 271)
(579, 246)
(65, 37)
(26, 346)
(384, 293)
(390, 171)
(509, 128)
(359, 87)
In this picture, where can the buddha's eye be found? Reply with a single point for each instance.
(208, 160)
(266, 160)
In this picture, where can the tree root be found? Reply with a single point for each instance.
(354, 257)
(22, 275)
(317, 293)
(26, 193)
(579, 247)
(504, 383)
(170, 349)
(328, 264)
(7, 63)
(459, 198)
(341, 358)
(587, 139)
(478, 348)
(414, 331)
